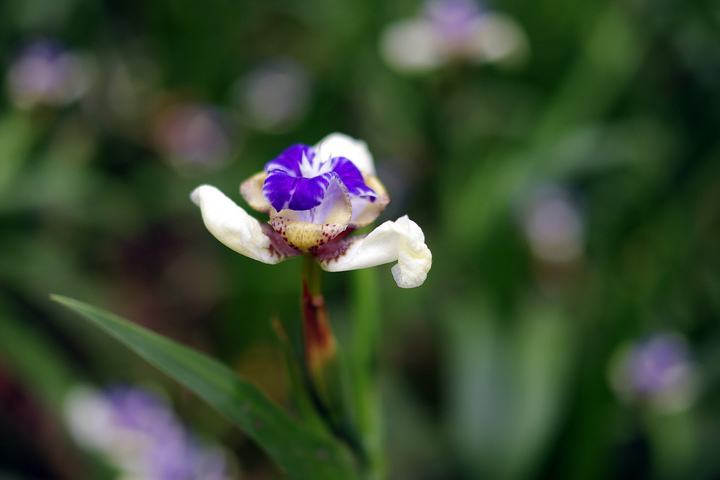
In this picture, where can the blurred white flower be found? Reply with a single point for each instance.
(656, 371)
(274, 96)
(191, 136)
(553, 226)
(139, 435)
(451, 30)
(46, 74)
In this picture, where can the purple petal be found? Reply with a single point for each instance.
(309, 193)
(289, 160)
(352, 178)
(286, 191)
(278, 188)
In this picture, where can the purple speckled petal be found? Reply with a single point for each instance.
(286, 191)
(289, 160)
(352, 178)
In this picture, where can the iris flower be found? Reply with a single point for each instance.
(315, 197)
(452, 30)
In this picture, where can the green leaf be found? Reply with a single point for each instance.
(301, 453)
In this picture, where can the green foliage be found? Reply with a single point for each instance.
(498, 367)
(299, 452)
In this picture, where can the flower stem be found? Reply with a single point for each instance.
(322, 363)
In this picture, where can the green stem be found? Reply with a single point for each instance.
(312, 275)
(322, 363)
(366, 319)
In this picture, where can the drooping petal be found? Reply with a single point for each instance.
(233, 226)
(364, 211)
(252, 191)
(402, 241)
(341, 145)
(290, 159)
(352, 178)
(309, 229)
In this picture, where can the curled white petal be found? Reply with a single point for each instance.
(233, 226)
(341, 145)
(402, 241)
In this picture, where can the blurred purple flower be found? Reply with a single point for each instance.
(553, 225)
(275, 95)
(45, 73)
(453, 19)
(191, 135)
(140, 435)
(657, 370)
(450, 30)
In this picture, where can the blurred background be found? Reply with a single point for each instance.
(562, 157)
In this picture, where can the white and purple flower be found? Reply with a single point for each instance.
(449, 30)
(139, 435)
(275, 95)
(47, 74)
(315, 196)
(192, 136)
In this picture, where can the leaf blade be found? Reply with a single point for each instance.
(301, 453)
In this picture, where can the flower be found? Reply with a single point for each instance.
(656, 370)
(140, 435)
(46, 74)
(448, 30)
(191, 135)
(553, 225)
(274, 96)
(316, 196)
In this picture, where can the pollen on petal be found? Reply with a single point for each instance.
(305, 236)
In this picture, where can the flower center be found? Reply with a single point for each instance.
(311, 167)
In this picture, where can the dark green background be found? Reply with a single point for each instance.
(497, 366)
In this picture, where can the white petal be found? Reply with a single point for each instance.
(364, 212)
(498, 38)
(88, 418)
(402, 241)
(412, 46)
(233, 226)
(341, 145)
(252, 191)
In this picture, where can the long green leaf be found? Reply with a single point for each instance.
(301, 453)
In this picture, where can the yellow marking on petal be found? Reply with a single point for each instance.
(374, 182)
(304, 235)
(372, 209)
(251, 191)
